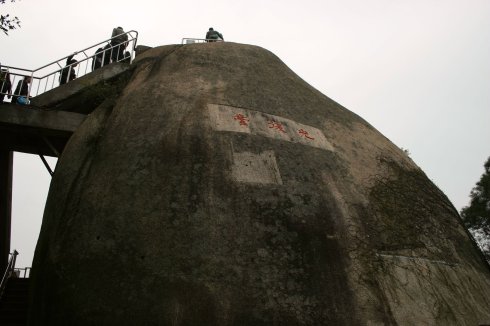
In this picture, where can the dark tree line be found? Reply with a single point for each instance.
(7, 22)
(476, 216)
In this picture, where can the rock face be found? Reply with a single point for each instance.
(218, 188)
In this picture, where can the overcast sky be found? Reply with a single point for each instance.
(417, 70)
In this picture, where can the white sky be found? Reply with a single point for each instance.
(417, 70)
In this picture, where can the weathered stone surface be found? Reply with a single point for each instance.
(84, 94)
(219, 188)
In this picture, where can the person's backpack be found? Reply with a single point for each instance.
(22, 100)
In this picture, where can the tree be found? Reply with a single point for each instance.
(8, 23)
(476, 216)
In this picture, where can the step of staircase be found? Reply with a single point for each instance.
(14, 302)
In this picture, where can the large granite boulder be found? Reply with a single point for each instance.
(216, 187)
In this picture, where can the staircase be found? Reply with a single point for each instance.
(14, 302)
(48, 76)
(14, 294)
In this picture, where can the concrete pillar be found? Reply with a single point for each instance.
(6, 164)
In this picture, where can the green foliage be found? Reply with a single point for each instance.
(477, 214)
(8, 23)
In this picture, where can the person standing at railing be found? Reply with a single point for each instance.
(21, 93)
(5, 85)
(119, 43)
(97, 59)
(68, 73)
(102, 57)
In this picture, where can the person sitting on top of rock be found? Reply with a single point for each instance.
(213, 36)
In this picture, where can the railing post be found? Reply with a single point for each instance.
(30, 86)
(14, 258)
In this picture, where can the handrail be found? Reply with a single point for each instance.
(91, 47)
(26, 272)
(8, 271)
(52, 74)
(190, 40)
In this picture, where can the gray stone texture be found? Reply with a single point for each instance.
(155, 218)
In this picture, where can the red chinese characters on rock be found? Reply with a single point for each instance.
(276, 125)
(242, 119)
(304, 133)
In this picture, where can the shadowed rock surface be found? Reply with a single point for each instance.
(215, 187)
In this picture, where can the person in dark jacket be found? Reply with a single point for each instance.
(107, 56)
(119, 42)
(102, 57)
(97, 59)
(68, 73)
(21, 93)
(5, 85)
(213, 36)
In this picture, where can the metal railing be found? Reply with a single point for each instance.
(8, 271)
(64, 70)
(22, 272)
(199, 40)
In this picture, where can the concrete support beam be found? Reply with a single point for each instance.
(56, 122)
(6, 163)
(35, 131)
